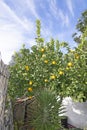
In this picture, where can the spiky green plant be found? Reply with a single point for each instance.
(47, 110)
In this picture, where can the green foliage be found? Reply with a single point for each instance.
(81, 27)
(18, 74)
(39, 40)
(38, 25)
(46, 66)
(82, 22)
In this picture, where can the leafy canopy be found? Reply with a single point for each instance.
(81, 27)
(45, 65)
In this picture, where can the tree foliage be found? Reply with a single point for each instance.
(81, 27)
(45, 65)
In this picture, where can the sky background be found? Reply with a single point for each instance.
(17, 22)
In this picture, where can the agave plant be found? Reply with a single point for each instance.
(47, 110)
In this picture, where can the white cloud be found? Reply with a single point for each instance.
(46, 33)
(70, 6)
(58, 13)
(17, 27)
(9, 15)
(64, 18)
(12, 30)
(27, 6)
(32, 8)
(53, 6)
(10, 40)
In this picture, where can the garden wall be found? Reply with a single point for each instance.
(76, 112)
(6, 121)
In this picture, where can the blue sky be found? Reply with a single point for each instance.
(17, 22)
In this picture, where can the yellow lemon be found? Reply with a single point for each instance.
(27, 67)
(76, 56)
(45, 80)
(46, 61)
(67, 68)
(42, 50)
(43, 55)
(30, 97)
(52, 76)
(30, 89)
(53, 62)
(30, 83)
(70, 64)
(61, 72)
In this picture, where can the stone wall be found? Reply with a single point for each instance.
(6, 119)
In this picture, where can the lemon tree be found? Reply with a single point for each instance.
(45, 65)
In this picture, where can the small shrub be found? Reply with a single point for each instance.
(47, 111)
